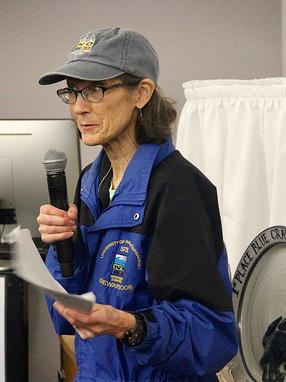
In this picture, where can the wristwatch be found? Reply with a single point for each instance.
(136, 335)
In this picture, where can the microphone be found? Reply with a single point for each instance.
(55, 162)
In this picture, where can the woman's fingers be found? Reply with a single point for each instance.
(56, 224)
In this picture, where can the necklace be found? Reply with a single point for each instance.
(103, 179)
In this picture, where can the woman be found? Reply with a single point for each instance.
(145, 225)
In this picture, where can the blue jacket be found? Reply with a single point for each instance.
(156, 248)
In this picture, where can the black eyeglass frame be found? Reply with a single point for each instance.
(63, 91)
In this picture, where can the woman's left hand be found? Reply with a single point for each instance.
(102, 320)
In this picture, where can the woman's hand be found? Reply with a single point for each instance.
(56, 224)
(103, 320)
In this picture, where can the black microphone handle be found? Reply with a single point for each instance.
(58, 197)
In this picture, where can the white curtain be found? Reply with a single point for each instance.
(234, 131)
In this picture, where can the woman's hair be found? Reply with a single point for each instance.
(159, 114)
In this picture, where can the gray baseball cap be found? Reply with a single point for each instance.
(107, 53)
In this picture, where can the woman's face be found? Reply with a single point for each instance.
(111, 119)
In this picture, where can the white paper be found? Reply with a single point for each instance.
(28, 265)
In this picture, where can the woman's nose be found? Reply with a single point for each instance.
(81, 105)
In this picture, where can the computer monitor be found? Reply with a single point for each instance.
(25, 142)
(7, 199)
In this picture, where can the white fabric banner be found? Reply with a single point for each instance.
(234, 131)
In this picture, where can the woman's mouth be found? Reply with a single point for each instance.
(86, 127)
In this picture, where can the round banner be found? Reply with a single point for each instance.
(259, 298)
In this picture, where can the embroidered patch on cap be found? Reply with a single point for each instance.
(84, 45)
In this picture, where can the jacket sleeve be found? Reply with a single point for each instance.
(72, 285)
(186, 335)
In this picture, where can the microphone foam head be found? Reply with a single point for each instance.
(54, 161)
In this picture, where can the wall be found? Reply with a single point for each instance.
(195, 39)
(283, 38)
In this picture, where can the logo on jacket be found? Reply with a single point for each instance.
(118, 268)
(124, 251)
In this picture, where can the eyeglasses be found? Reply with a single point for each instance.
(91, 93)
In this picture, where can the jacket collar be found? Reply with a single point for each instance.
(133, 187)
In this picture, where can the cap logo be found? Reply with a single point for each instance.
(84, 45)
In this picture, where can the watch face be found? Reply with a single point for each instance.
(259, 297)
(137, 334)
(135, 338)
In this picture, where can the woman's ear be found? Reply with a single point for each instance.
(145, 89)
